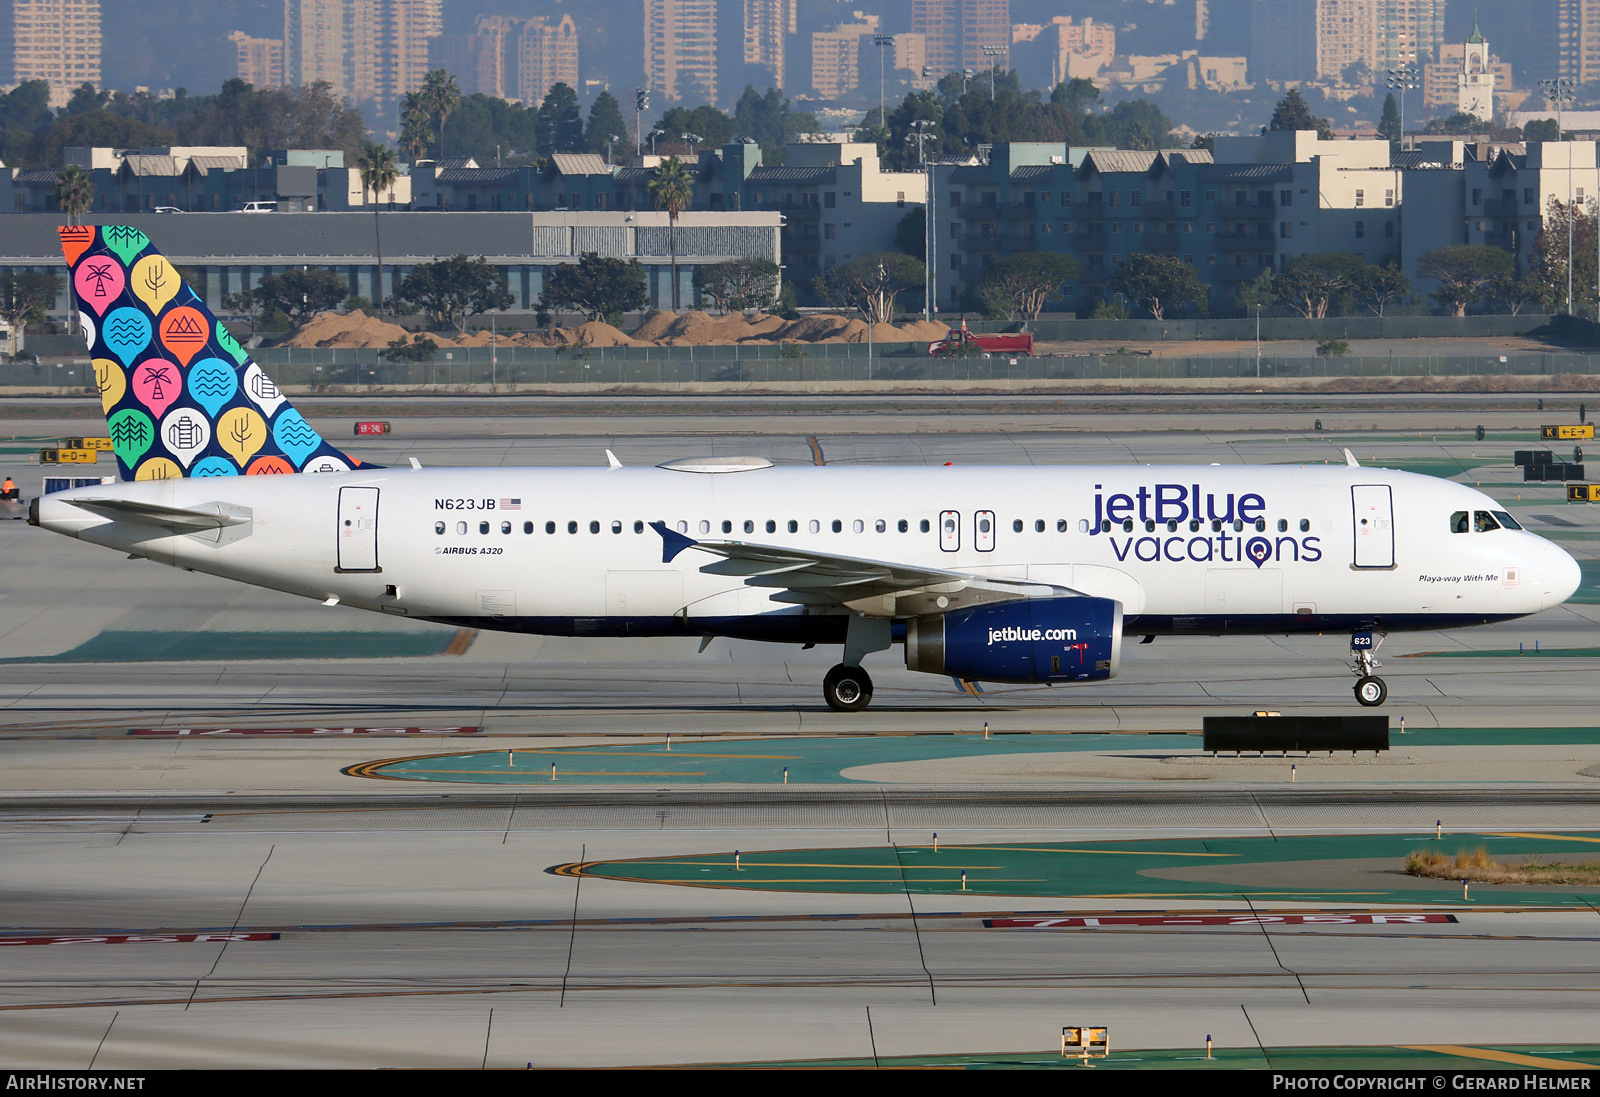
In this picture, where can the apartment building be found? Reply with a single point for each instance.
(680, 49)
(258, 61)
(57, 41)
(768, 24)
(370, 52)
(963, 34)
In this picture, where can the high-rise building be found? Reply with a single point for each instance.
(836, 57)
(546, 55)
(57, 41)
(1283, 40)
(258, 61)
(767, 27)
(957, 32)
(1409, 31)
(370, 52)
(680, 49)
(1578, 39)
(1347, 34)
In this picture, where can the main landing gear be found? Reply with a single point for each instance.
(848, 688)
(1370, 689)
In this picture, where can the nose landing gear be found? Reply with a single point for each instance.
(1370, 690)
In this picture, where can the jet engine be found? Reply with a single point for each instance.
(1072, 639)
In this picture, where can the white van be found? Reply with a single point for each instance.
(258, 207)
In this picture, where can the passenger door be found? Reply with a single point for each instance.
(358, 529)
(1373, 514)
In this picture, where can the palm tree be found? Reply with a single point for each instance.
(74, 193)
(672, 190)
(413, 139)
(440, 96)
(378, 173)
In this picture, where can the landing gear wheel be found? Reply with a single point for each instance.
(1370, 691)
(847, 689)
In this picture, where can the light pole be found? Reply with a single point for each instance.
(880, 41)
(1258, 340)
(1560, 91)
(691, 139)
(641, 103)
(993, 53)
(966, 74)
(610, 140)
(919, 133)
(1402, 78)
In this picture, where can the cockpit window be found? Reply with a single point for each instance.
(1506, 520)
(1483, 521)
(1458, 522)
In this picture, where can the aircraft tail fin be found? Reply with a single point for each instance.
(181, 396)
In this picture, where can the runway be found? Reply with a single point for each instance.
(235, 899)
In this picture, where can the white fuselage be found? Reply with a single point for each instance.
(1189, 549)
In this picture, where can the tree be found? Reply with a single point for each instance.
(606, 124)
(1548, 264)
(739, 283)
(911, 234)
(1514, 293)
(1024, 282)
(439, 97)
(707, 123)
(25, 296)
(769, 122)
(450, 290)
(413, 139)
(1292, 113)
(1310, 283)
(595, 286)
(378, 174)
(871, 283)
(1158, 283)
(1542, 129)
(1390, 128)
(74, 193)
(1376, 286)
(560, 126)
(300, 294)
(1463, 272)
(1257, 294)
(1459, 125)
(672, 189)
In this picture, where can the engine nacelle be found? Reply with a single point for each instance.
(1032, 640)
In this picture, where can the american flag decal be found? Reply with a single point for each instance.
(511, 504)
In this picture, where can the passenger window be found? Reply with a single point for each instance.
(924, 525)
(572, 527)
(1305, 525)
(438, 527)
(794, 527)
(857, 526)
(880, 525)
(1261, 525)
(903, 526)
(683, 527)
(483, 527)
(1105, 525)
(616, 527)
(1149, 525)
(1016, 525)
(1238, 525)
(1194, 525)
(461, 528)
(705, 526)
(1061, 525)
(594, 527)
(1483, 521)
(772, 527)
(1458, 522)
(814, 526)
(1216, 525)
(549, 527)
(1083, 525)
(1127, 525)
(1038, 525)
(527, 527)
(838, 526)
(727, 526)
(638, 525)
(1506, 520)
(1172, 525)
(1283, 525)
(505, 527)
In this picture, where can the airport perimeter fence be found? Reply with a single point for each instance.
(476, 369)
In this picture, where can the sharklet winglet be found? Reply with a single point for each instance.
(672, 542)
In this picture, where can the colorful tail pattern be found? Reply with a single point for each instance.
(181, 396)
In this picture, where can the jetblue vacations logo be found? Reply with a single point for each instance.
(1175, 508)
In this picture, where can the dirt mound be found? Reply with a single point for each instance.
(595, 333)
(658, 326)
(928, 330)
(353, 329)
(762, 326)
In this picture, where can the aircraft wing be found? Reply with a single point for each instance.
(876, 588)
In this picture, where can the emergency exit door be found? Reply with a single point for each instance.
(358, 529)
(1373, 512)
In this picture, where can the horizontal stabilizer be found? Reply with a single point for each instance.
(176, 519)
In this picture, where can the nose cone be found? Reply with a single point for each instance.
(1561, 573)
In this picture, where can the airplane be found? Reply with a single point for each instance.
(994, 574)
